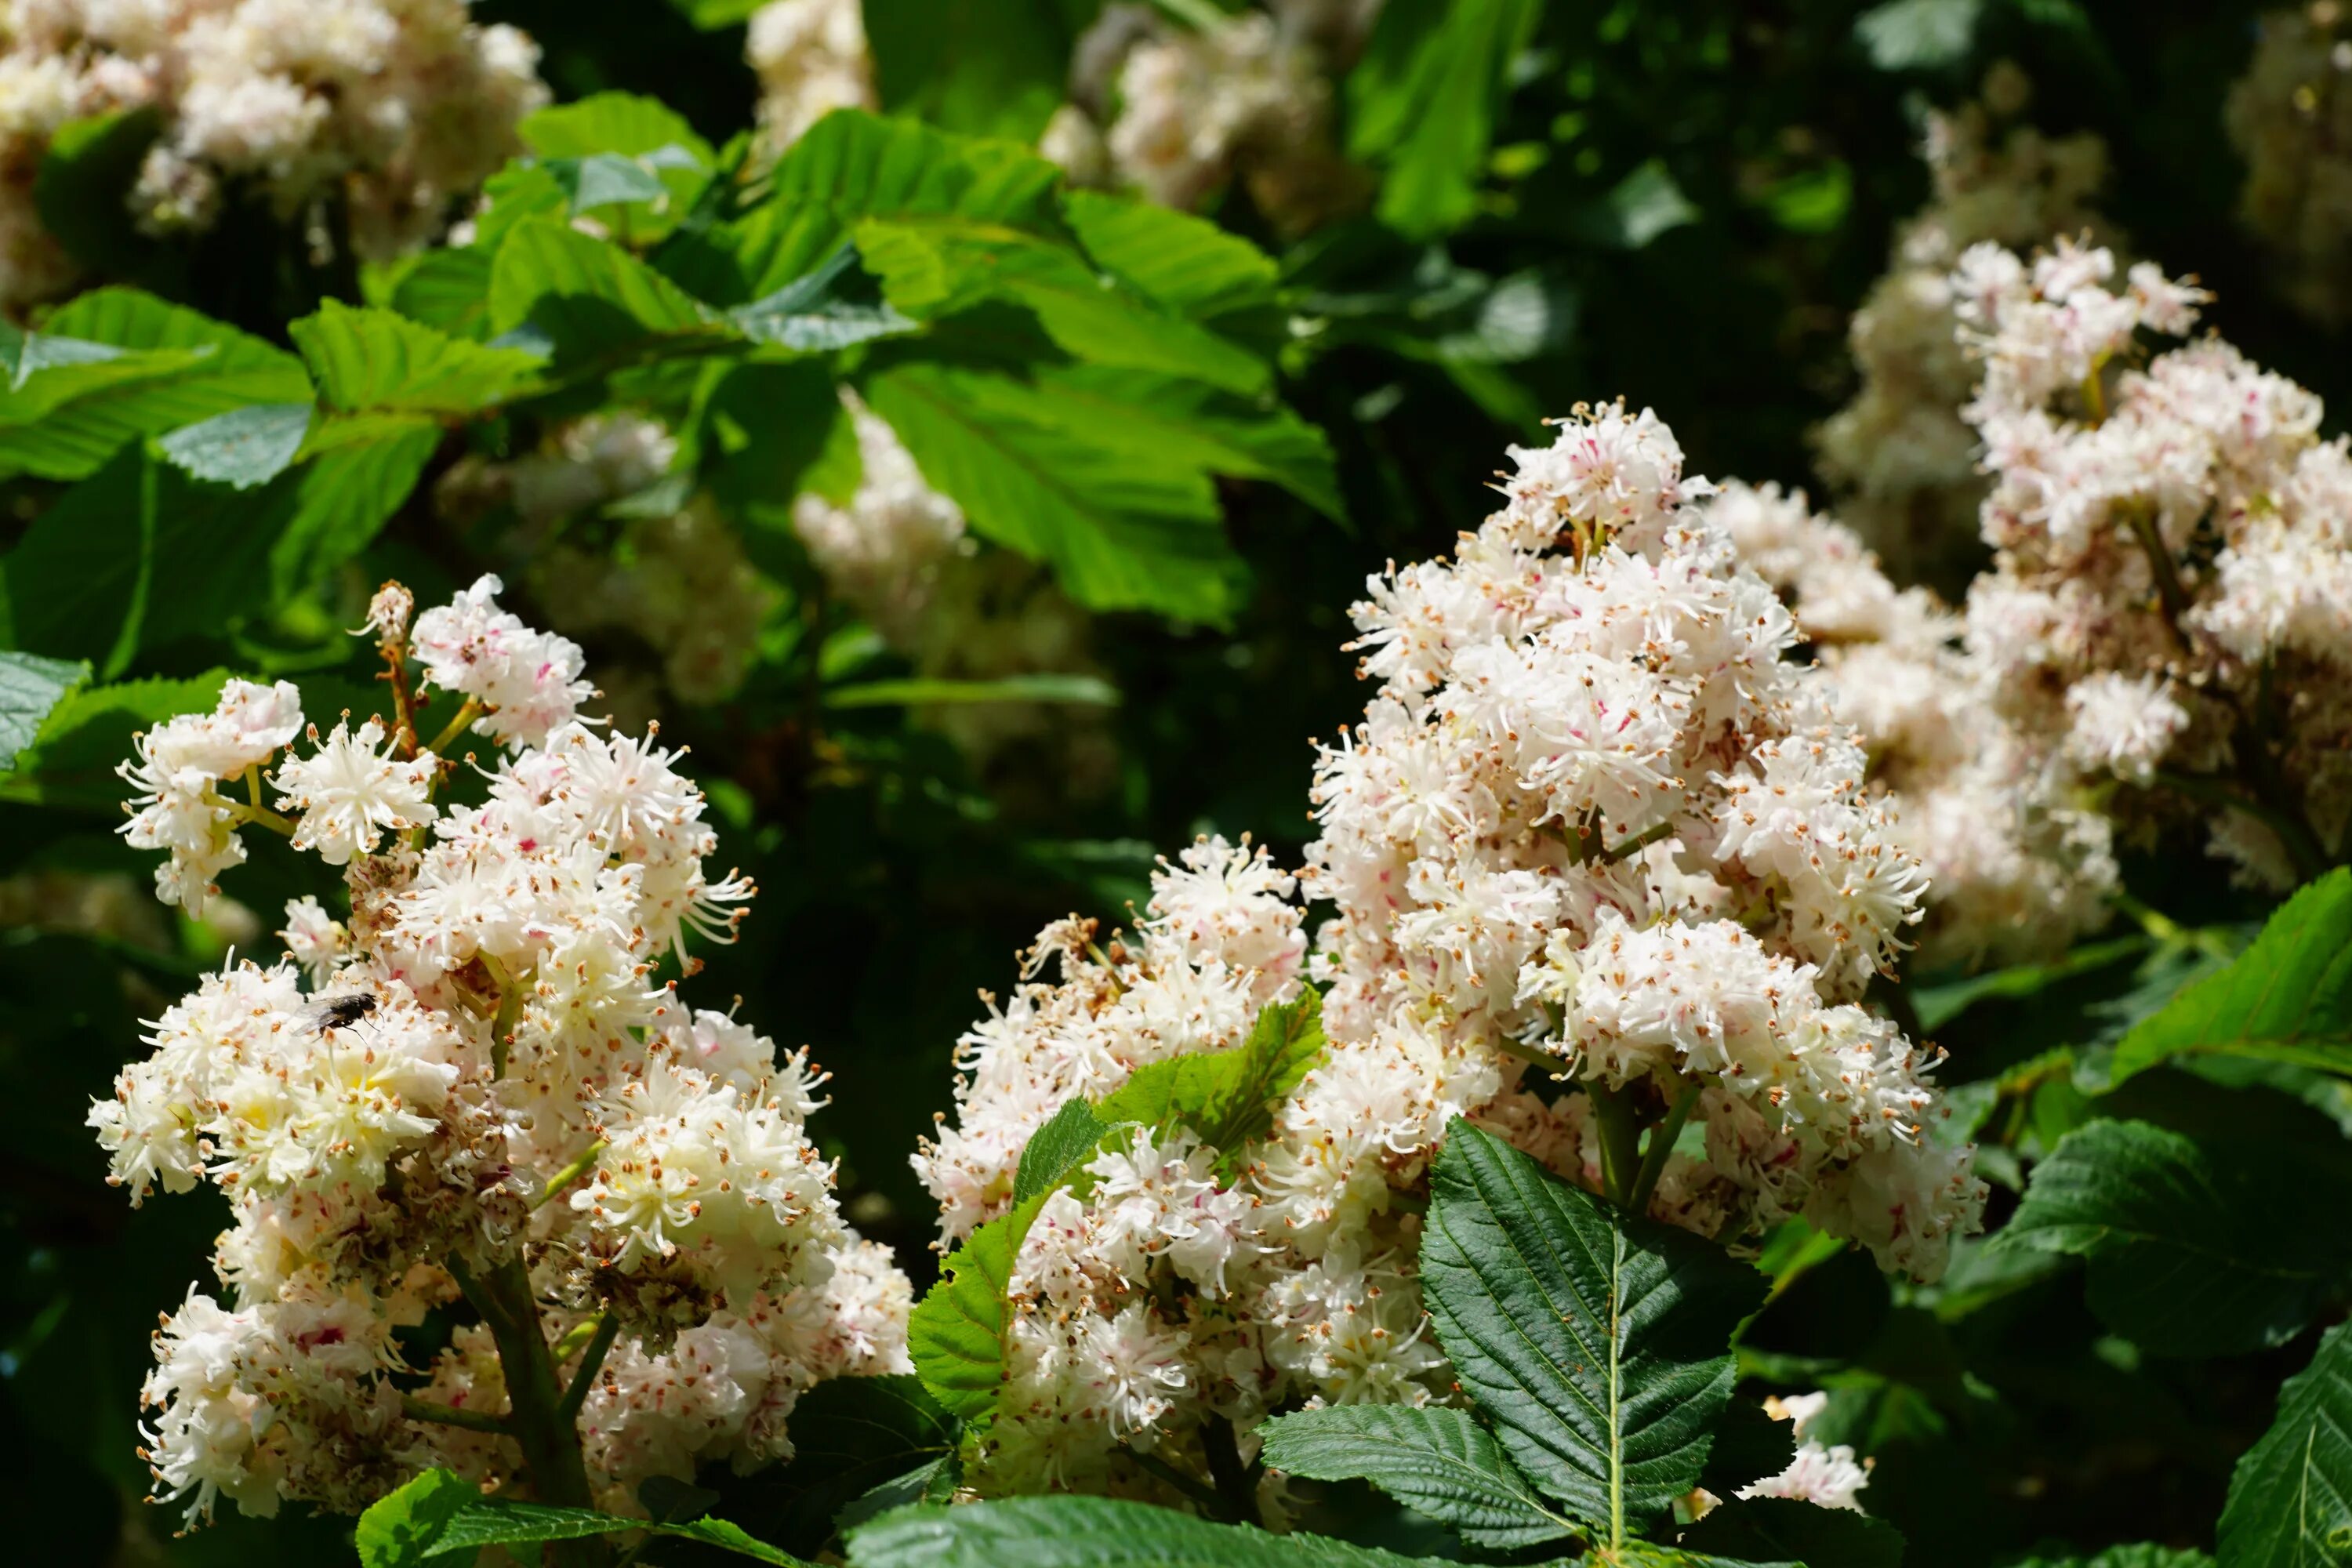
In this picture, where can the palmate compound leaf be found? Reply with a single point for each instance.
(1596, 1343)
(1439, 1462)
(1090, 1532)
(2194, 1247)
(2288, 997)
(444, 1519)
(2291, 1500)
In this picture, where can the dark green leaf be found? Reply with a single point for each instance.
(763, 426)
(850, 1436)
(2291, 1499)
(1790, 1530)
(958, 1331)
(171, 367)
(852, 165)
(937, 265)
(1438, 1461)
(73, 756)
(428, 1521)
(1055, 1148)
(84, 194)
(2194, 1249)
(31, 688)
(1598, 1344)
(243, 447)
(2286, 998)
(988, 70)
(2138, 1555)
(1642, 205)
(1121, 534)
(813, 314)
(1090, 1532)
(448, 290)
(1425, 99)
(590, 297)
(376, 360)
(1185, 263)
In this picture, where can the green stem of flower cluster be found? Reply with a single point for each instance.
(538, 1418)
(1621, 1140)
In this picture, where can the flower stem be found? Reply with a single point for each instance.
(569, 1175)
(1236, 1493)
(591, 1360)
(510, 994)
(458, 726)
(417, 1409)
(536, 1421)
(1621, 1140)
(1662, 1143)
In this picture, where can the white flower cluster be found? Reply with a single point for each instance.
(1247, 99)
(812, 58)
(2290, 118)
(665, 574)
(2172, 591)
(899, 555)
(482, 1091)
(396, 109)
(1899, 455)
(2018, 864)
(1594, 821)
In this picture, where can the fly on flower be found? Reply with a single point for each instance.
(341, 1012)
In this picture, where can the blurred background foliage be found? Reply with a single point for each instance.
(1680, 204)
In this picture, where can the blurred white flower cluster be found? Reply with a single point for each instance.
(2172, 591)
(1595, 823)
(1180, 113)
(812, 58)
(1899, 457)
(472, 1084)
(2018, 860)
(899, 555)
(607, 551)
(2290, 118)
(374, 115)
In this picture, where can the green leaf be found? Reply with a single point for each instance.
(956, 1331)
(1163, 420)
(1073, 1134)
(170, 367)
(370, 359)
(1228, 1098)
(448, 290)
(923, 691)
(812, 315)
(712, 15)
(1597, 1343)
(762, 428)
(1437, 1461)
(2140, 1554)
(851, 166)
(1918, 35)
(1090, 1532)
(243, 447)
(2287, 998)
(1790, 1530)
(1642, 205)
(2194, 1248)
(72, 759)
(937, 265)
(591, 298)
(619, 122)
(2290, 1498)
(1184, 262)
(998, 69)
(852, 1436)
(31, 688)
(345, 494)
(1425, 99)
(1120, 533)
(428, 1521)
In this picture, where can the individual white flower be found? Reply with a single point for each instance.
(177, 806)
(352, 790)
(528, 681)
